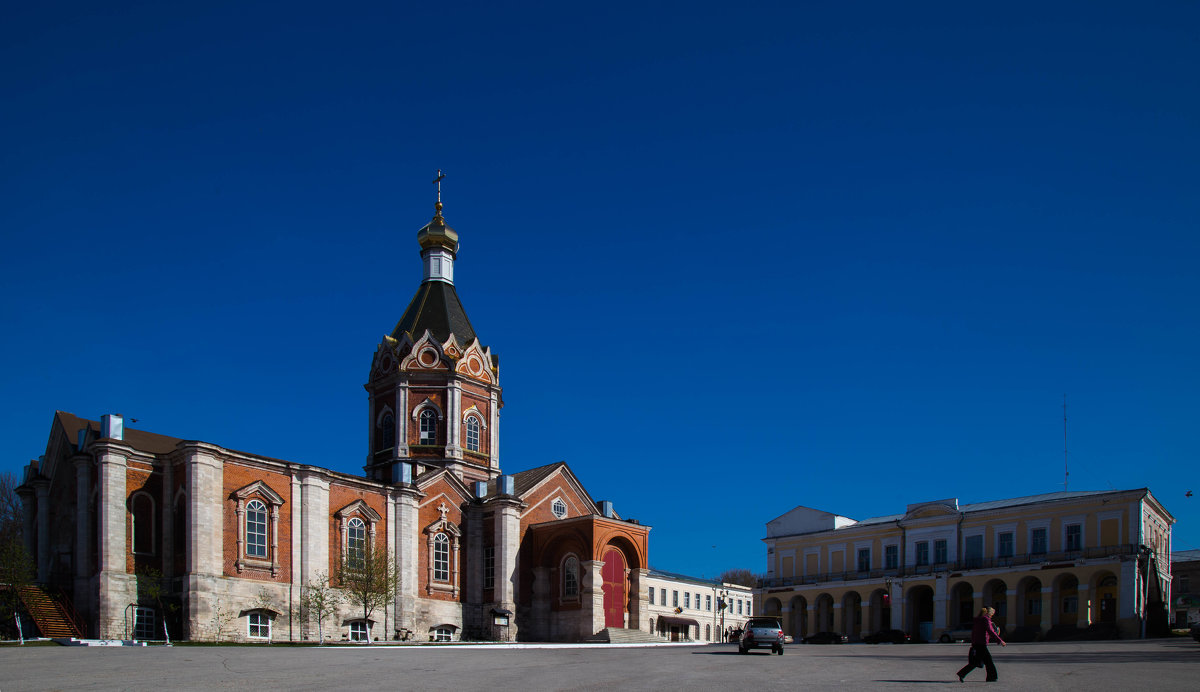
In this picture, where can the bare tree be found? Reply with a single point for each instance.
(151, 586)
(16, 565)
(221, 618)
(742, 577)
(318, 600)
(369, 577)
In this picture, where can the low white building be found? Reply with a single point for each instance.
(683, 608)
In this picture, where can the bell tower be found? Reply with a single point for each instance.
(434, 389)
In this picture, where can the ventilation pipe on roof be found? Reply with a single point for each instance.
(402, 472)
(112, 426)
(606, 508)
(505, 485)
(480, 488)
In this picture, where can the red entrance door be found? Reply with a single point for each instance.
(613, 574)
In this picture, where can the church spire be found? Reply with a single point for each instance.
(439, 242)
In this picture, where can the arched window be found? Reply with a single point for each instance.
(428, 427)
(143, 524)
(387, 431)
(256, 529)
(441, 557)
(473, 433)
(570, 577)
(356, 543)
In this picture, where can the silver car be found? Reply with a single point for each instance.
(762, 633)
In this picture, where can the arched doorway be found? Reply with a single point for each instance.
(881, 611)
(962, 603)
(1067, 600)
(920, 613)
(995, 595)
(1030, 605)
(852, 615)
(824, 613)
(615, 591)
(1106, 597)
(798, 623)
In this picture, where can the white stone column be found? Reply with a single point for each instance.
(638, 598)
(314, 525)
(494, 431)
(454, 419)
(205, 537)
(405, 533)
(115, 581)
(507, 541)
(402, 414)
(592, 596)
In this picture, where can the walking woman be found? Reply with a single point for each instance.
(983, 632)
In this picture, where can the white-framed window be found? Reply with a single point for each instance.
(441, 557)
(739, 607)
(697, 602)
(358, 631)
(258, 626)
(687, 600)
(143, 623)
(559, 508)
(662, 597)
(570, 577)
(1074, 537)
(443, 634)
(973, 550)
(428, 429)
(922, 553)
(1037, 541)
(708, 602)
(939, 551)
(386, 431)
(489, 567)
(472, 433)
(356, 543)
(891, 556)
(651, 594)
(674, 599)
(256, 529)
(1005, 547)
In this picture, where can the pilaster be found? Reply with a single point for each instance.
(404, 534)
(204, 480)
(592, 594)
(41, 488)
(454, 419)
(114, 592)
(638, 607)
(507, 542)
(83, 532)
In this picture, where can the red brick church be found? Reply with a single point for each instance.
(237, 536)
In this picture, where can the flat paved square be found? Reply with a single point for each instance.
(1170, 664)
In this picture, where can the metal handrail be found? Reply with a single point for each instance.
(963, 565)
(68, 609)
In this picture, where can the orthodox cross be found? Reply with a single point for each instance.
(438, 181)
(443, 509)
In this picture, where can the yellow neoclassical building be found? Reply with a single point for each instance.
(1061, 560)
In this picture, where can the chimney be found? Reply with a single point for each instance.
(505, 485)
(480, 488)
(402, 472)
(112, 426)
(606, 508)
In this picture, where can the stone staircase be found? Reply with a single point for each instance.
(620, 635)
(50, 615)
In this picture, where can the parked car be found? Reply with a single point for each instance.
(962, 633)
(825, 638)
(762, 633)
(887, 637)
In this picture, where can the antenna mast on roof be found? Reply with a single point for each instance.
(1066, 471)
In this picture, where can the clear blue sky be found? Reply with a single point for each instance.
(734, 257)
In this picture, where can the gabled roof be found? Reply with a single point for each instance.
(138, 439)
(525, 481)
(435, 307)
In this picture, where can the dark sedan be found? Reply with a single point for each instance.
(887, 637)
(826, 638)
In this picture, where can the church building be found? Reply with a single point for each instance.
(238, 537)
